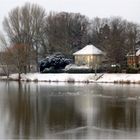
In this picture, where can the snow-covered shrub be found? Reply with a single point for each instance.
(54, 62)
(72, 68)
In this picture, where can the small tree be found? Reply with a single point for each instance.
(4, 57)
(21, 57)
(17, 57)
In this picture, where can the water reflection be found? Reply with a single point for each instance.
(41, 110)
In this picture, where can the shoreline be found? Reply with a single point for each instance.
(118, 78)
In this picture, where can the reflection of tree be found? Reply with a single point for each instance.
(64, 116)
(37, 111)
(117, 114)
(20, 111)
(109, 108)
(34, 113)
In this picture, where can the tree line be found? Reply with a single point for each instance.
(31, 34)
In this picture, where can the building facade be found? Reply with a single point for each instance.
(90, 56)
(133, 59)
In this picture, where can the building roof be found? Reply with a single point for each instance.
(138, 53)
(89, 50)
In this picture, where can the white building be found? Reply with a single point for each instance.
(89, 55)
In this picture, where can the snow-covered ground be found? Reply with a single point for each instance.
(61, 77)
(124, 78)
(65, 77)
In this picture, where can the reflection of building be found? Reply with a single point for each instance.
(89, 55)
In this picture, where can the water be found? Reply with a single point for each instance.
(69, 111)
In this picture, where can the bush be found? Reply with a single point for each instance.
(116, 69)
(54, 63)
(80, 69)
(52, 70)
(132, 70)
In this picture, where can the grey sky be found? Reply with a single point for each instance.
(128, 9)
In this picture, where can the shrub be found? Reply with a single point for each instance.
(54, 63)
(132, 70)
(114, 70)
(80, 69)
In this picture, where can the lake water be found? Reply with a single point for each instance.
(74, 111)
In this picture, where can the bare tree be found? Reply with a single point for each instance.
(17, 57)
(26, 25)
(66, 32)
(132, 38)
(115, 36)
(4, 58)
(14, 57)
(95, 31)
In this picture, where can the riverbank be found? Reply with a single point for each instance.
(120, 78)
(55, 77)
(82, 78)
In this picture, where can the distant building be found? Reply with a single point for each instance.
(133, 59)
(90, 56)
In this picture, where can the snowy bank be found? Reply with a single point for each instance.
(120, 78)
(59, 77)
(65, 77)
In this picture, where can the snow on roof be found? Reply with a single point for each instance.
(89, 49)
(138, 53)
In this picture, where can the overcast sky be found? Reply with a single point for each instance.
(127, 9)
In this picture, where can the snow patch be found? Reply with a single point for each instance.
(73, 66)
